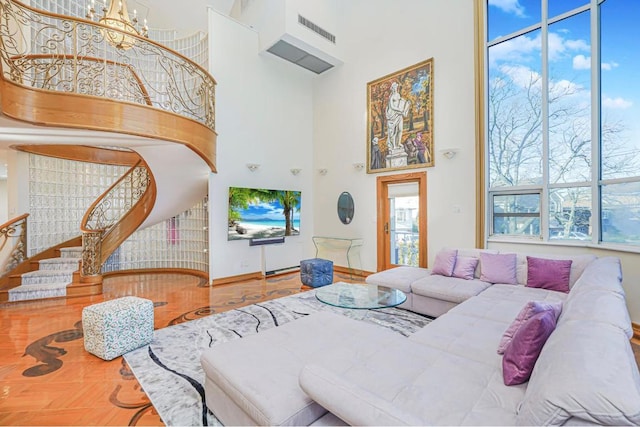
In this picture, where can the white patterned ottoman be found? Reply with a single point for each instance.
(115, 327)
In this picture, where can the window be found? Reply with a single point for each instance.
(516, 214)
(562, 144)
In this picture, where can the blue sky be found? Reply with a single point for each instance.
(570, 54)
(266, 211)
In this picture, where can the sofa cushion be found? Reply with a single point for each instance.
(445, 262)
(531, 308)
(578, 265)
(552, 274)
(259, 373)
(465, 267)
(448, 288)
(521, 294)
(399, 278)
(472, 337)
(475, 253)
(522, 352)
(423, 385)
(498, 268)
(586, 370)
(350, 402)
(604, 274)
(599, 305)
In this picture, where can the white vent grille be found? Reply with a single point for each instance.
(316, 29)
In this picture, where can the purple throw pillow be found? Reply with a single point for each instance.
(498, 268)
(530, 309)
(548, 274)
(465, 267)
(445, 262)
(521, 355)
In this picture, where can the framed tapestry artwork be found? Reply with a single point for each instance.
(400, 119)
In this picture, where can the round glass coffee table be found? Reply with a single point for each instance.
(360, 296)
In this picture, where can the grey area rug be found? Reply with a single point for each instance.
(169, 368)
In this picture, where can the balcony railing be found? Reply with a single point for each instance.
(60, 53)
(13, 243)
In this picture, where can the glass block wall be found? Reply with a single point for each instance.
(179, 242)
(60, 192)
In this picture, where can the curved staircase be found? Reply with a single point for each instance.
(51, 279)
(46, 98)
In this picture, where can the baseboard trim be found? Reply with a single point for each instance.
(132, 271)
(351, 271)
(636, 332)
(239, 278)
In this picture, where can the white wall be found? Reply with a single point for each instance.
(17, 183)
(4, 201)
(379, 37)
(264, 116)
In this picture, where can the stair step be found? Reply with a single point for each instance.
(59, 264)
(71, 252)
(30, 292)
(39, 277)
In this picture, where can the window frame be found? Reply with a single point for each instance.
(485, 212)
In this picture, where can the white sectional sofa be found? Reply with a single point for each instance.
(434, 295)
(329, 369)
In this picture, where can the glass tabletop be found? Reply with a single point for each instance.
(362, 296)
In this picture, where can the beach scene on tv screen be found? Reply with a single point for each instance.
(256, 213)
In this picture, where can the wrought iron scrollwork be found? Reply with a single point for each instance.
(112, 206)
(67, 54)
(14, 231)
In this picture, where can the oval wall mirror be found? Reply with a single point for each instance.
(346, 208)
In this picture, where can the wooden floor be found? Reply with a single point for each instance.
(46, 377)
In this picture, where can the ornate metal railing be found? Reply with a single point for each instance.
(15, 231)
(66, 54)
(107, 212)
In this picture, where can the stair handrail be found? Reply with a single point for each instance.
(130, 197)
(72, 63)
(14, 229)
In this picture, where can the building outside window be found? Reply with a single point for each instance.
(563, 119)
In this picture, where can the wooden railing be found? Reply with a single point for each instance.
(112, 218)
(60, 70)
(13, 243)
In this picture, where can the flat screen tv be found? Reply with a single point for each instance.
(258, 213)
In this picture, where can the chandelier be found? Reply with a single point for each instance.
(117, 17)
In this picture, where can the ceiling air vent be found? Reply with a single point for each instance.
(316, 29)
(299, 57)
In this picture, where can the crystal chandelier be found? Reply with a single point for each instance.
(117, 17)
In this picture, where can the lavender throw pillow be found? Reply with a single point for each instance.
(521, 355)
(445, 262)
(465, 267)
(551, 274)
(498, 268)
(528, 311)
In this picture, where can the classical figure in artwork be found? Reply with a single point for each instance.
(397, 110)
(377, 160)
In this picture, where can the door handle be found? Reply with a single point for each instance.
(386, 228)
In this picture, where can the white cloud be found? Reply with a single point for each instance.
(559, 46)
(581, 62)
(508, 6)
(526, 48)
(609, 65)
(519, 49)
(561, 88)
(525, 77)
(522, 76)
(577, 45)
(616, 103)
